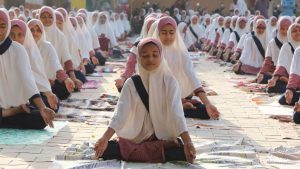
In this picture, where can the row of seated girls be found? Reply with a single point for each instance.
(45, 56)
(267, 48)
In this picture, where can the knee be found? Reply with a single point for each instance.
(282, 100)
(296, 117)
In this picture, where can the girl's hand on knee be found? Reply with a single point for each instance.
(188, 105)
(297, 107)
(70, 85)
(100, 147)
(271, 83)
(190, 152)
(52, 99)
(288, 96)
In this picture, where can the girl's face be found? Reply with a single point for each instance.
(3, 30)
(296, 34)
(221, 21)
(273, 22)
(283, 30)
(59, 24)
(242, 24)
(227, 24)
(11, 15)
(36, 33)
(167, 35)
(195, 20)
(260, 29)
(17, 35)
(207, 21)
(150, 57)
(102, 19)
(234, 23)
(95, 17)
(47, 19)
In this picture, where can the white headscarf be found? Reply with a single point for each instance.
(178, 60)
(186, 37)
(286, 55)
(125, 22)
(132, 121)
(75, 45)
(251, 55)
(83, 48)
(226, 34)
(270, 28)
(196, 28)
(105, 29)
(48, 52)
(272, 49)
(15, 68)
(35, 57)
(295, 66)
(56, 37)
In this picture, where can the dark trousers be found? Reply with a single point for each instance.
(80, 76)
(295, 99)
(33, 120)
(199, 112)
(60, 90)
(266, 79)
(89, 68)
(280, 87)
(296, 117)
(100, 58)
(113, 152)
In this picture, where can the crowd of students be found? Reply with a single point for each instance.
(51, 50)
(45, 56)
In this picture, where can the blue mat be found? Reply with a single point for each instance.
(18, 136)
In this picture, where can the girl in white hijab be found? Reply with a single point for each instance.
(180, 64)
(104, 29)
(217, 36)
(59, 42)
(15, 68)
(225, 38)
(194, 32)
(20, 33)
(240, 46)
(130, 68)
(271, 27)
(273, 50)
(254, 52)
(97, 56)
(141, 126)
(186, 37)
(126, 23)
(60, 82)
(281, 75)
(235, 36)
(74, 43)
(285, 72)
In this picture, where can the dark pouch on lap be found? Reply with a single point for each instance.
(100, 58)
(117, 54)
(89, 68)
(112, 151)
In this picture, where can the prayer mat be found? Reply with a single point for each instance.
(115, 164)
(109, 70)
(91, 84)
(283, 157)
(95, 74)
(19, 136)
(210, 154)
(96, 104)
